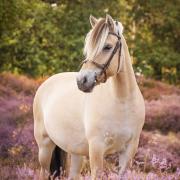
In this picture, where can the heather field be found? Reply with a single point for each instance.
(158, 155)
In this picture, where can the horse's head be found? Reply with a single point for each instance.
(102, 50)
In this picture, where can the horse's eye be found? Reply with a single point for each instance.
(107, 47)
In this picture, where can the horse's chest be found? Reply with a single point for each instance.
(116, 139)
(114, 135)
(111, 125)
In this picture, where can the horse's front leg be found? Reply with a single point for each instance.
(96, 153)
(125, 157)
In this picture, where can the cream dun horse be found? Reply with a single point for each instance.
(106, 120)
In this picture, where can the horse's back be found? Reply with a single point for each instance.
(57, 85)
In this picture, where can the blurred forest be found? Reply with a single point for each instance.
(43, 37)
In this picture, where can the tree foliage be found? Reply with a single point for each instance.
(45, 37)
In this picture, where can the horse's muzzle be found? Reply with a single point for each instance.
(86, 81)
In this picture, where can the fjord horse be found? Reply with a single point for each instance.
(95, 112)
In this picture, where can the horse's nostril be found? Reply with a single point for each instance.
(84, 80)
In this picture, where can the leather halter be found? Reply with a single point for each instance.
(104, 66)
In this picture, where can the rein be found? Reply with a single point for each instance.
(104, 66)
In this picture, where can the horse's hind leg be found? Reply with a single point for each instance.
(45, 145)
(75, 167)
(46, 148)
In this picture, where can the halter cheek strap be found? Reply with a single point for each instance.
(117, 46)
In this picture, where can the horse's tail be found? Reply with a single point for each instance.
(58, 162)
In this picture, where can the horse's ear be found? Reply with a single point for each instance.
(92, 20)
(110, 22)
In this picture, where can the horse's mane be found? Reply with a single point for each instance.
(95, 39)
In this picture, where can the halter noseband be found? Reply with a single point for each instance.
(104, 66)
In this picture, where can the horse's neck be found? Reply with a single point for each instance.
(124, 83)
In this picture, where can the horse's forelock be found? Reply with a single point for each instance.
(97, 31)
(95, 39)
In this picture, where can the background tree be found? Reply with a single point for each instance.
(45, 37)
